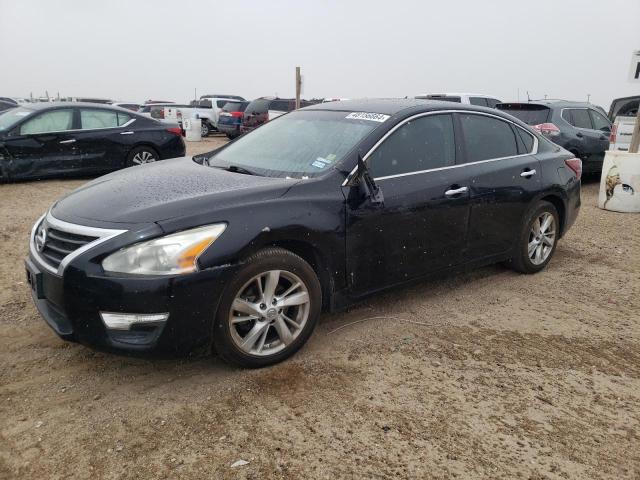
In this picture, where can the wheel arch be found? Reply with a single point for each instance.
(561, 208)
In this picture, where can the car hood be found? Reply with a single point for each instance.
(163, 190)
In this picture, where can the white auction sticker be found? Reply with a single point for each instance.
(374, 117)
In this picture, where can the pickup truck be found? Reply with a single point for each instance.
(207, 109)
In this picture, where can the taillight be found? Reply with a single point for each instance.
(575, 164)
(162, 113)
(237, 114)
(175, 130)
(614, 133)
(548, 129)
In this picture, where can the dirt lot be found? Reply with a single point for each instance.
(490, 374)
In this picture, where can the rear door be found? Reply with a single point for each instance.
(103, 139)
(43, 145)
(504, 177)
(592, 143)
(422, 226)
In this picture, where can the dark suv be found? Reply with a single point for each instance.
(263, 109)
(581, 128)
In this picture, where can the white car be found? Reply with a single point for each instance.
(468, 98)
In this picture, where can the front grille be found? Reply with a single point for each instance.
(58, 244)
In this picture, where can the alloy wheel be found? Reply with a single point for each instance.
(542, 238)
(143, 156)
(269, 312)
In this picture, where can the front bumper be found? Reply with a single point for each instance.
(71, 305)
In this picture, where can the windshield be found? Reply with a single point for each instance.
(12, 116)
(302, 143)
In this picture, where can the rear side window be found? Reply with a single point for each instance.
(92, 119)
(527, 113)
(492, 102)
(421, 144)
(53, 121)
(478, 101)
(221, 103)
(526, 140)
(599, 121)
(487, 138)
(123, 118)
(580, 117)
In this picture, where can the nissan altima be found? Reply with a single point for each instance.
(239, 250)
(43, 140)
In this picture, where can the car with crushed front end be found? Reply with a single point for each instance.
(44, 140)
(240, 249)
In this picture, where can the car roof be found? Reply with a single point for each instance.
(49, 105)
(392, 106)
(555, 103)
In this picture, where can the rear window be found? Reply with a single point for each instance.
(528, 113)
(481, 101)
(235, 106)
(258, 106)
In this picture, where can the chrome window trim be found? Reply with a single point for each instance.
(582, 108)
(534, 148)
(103, 235)
(81, 129)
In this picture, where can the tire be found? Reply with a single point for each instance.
(527, 261)
(205, 129)
(250, 323)
(141, 155)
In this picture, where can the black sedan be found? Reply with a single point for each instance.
(241, 248)
(54, 139)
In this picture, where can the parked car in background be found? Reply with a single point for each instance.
(72, 138)
(263, 109)
(134, 107)
(201, 109)
(230, 118)
(243, 247)
(579, 127)
(7, 103)
(216, 102)
(466, 98)
(623, 113)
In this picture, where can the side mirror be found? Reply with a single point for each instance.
(367, 185)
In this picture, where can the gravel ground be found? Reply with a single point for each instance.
(489, 374)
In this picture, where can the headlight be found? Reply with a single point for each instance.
(168, 255)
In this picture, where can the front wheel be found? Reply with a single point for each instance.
(538, 239)
(268, 311)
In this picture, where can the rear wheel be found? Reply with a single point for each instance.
(205, 129)
(268, 311)
(141, 155)
(538, 239)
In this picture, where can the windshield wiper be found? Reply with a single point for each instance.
(236, 169)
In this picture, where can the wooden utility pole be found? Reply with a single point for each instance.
(298, 87)
(635, 138)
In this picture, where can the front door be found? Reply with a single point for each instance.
(421, 227)
(42, 146)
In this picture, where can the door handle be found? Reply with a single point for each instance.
(579, 135)
(73, 140)
(126, 133)
(528, 173)
(456, 191)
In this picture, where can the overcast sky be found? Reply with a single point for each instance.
(163, 49)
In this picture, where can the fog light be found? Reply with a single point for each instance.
(123, 321)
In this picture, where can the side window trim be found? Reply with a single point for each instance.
(534, 149)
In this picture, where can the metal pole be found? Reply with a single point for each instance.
(298, 85)
(635, 138)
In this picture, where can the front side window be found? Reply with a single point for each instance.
(487, 137)
(422, 144)
(599, 121)
(52, 121)
(581, 118)
(302, 143)
(91, 119)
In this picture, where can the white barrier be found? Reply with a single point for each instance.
(192, 129)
